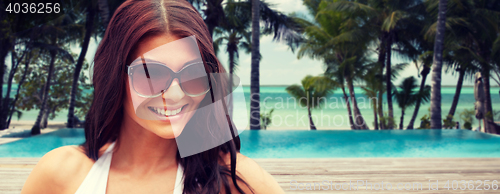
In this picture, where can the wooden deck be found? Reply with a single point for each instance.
(14, 171)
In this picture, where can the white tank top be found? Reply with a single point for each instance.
(96, 180)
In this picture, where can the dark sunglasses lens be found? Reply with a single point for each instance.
(150, 79)
(194, 79)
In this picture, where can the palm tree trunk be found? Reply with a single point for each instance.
(6, 46)
(35, 130)
(45, 118)
(3, 106)
(254, 75)
(381, 108)
(388, 80)
(89, 25)
(359, 121)
(230, 85)
(457, 93)
(375, 115)
(437, 67)
(311, 123)
(349, 112)
(488, 109)
(402, 119)
(381, 60)
(23, 78)
(7, 99)
(424, 74)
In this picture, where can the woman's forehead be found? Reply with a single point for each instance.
(168, 50)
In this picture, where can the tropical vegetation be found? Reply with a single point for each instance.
(312, 93)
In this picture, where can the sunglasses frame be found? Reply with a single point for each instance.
(174, 75)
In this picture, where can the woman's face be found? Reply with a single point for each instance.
(178, 106)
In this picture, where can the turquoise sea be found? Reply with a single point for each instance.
(288, 114)
(313, 144)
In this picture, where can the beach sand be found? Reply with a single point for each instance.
(51, 125)
(17, 126)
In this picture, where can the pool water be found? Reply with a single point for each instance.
(312, 144)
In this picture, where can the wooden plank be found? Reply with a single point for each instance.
(290, 172)
(337, 171)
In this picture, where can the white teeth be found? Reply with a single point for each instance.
(162, 111)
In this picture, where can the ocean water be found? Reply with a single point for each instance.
(288, 114)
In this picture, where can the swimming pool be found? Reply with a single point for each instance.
(313, 144)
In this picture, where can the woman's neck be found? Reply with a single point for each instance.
(142, 150)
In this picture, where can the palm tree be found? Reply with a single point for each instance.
(437, 66)
(352, 70)
(340, 42)
(234, 34)
(425, 60)
(265, 118)
(486, 49)
(393, 22)
(338, 76)
(396, 69)
(54, 35)
(463, 63)
(15, 37)
(15, 62)
(312, 93)
(371, 93)
(475, 31)
(373, 87)
(254, 73)
(27, 60)
(479, 25)
(89, 28)
(282, 26)
(6, 43)
(407, 96)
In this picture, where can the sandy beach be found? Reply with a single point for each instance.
(18, 126)
(52, 125)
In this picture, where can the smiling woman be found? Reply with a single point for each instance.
(156, 124)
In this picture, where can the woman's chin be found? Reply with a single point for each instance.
(168, 131)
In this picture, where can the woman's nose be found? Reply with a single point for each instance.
(174, 93)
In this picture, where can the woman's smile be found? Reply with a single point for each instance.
(171, 111)
(168, 114)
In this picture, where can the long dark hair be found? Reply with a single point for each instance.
(133, 20)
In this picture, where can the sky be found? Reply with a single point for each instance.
(280, 66)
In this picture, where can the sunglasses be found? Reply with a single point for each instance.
(152, 79)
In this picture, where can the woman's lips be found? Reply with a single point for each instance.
(171, 114)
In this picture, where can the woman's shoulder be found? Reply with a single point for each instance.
(255, 176)
(61, 170)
